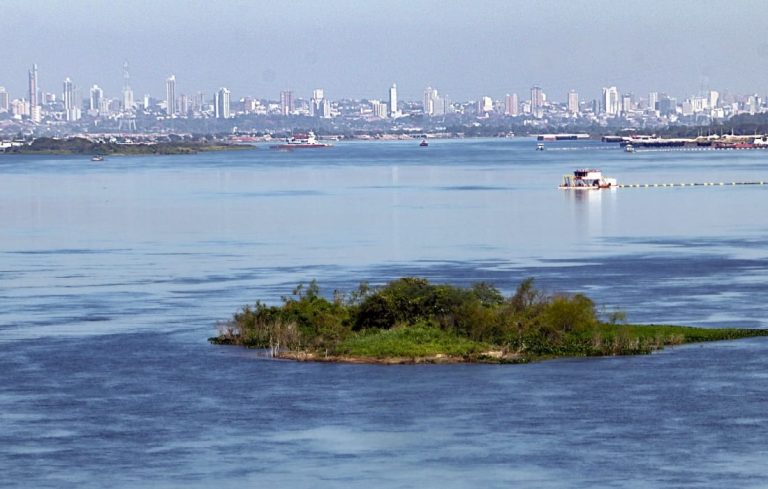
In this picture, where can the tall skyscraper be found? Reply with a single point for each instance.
(611, 101)
(183, 105)
(221, 103)
(70, 101)
(286, 102)
(511, 105)
(170, 96)
(33, 100)
(627, 103)
(537, 102)
(393, 112)
(4, 100)
(128, 103)
(94, 102)
(573, 102)
(68, 94)
(316, 104)
(433, 103)
(653, 99)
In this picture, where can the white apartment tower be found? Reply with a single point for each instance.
(170, 96)
(316, 104)
(611, 101)
(221, 104)
(511, 105)
(573, 102)
(393, 101)
(537, 102)
(34, 103)
(653, 99)
(70, 102)
(286, 102)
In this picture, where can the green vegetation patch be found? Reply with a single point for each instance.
(413, 318)
(418, 341)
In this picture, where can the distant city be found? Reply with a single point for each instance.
(88, 109)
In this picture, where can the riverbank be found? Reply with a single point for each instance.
(83, 146)
(412, 321)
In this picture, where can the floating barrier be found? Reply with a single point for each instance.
(697, 184)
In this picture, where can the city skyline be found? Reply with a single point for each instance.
(467, 50)
(607, 96)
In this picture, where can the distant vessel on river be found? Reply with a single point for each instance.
(300, 141)
(587, 179)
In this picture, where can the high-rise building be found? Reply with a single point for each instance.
(199, 102)
(653, 100)
(128, 102)
(183, 105)
(221, 103)
(393, 112)
(70, 101)
(4, 100)
(19, 108)
(428, 106)
(537, 102)
(611, 101)
(484, 105)
(434, 104)
(573, 102)
(379, 109)
(316, 104)
(714, 98)
(33, 100)
(94, 102)
(170, 96)
(286, 102)
(511, 105)
(627, 103)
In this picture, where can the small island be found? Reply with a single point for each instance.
(114, 146)
(411, 320)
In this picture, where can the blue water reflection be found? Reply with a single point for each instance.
(113, 274)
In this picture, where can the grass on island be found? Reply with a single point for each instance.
(411, 318)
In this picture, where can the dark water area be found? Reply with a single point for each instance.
(113, 275)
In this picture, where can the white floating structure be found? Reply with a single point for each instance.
(587, 179)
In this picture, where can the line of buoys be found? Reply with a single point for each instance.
(703, 184)
(642, 149)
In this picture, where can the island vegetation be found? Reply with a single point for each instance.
(411, 320)
(84, 146)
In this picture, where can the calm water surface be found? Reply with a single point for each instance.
(112, 275)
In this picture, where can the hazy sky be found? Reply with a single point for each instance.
(357, 48)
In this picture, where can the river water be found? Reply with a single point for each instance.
(113, 274)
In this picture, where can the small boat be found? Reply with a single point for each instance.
(423, 143)
(629, 148)
(540, 147)
(587, 179)
(299, 141)
(97, 158)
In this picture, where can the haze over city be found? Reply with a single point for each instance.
(357, 49)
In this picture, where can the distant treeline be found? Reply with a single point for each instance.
(77, 145)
